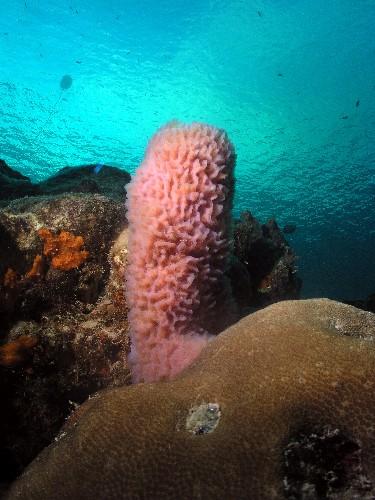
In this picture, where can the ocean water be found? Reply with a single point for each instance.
(292, 82)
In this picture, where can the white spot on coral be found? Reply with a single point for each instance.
(203, 419)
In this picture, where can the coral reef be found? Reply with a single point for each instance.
(63, 333)
(77, 319)
(280, 405)
(64, 329)
(179, 208)
(41, 275)
(47, 369)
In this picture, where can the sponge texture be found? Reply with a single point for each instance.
(179, 206)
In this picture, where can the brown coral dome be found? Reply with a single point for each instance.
(280, 404)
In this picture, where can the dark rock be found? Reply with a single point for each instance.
(86, 186)
(108, 181)
(242, 287)
(12, 174)
(324, 463)
(269, 261)
(14, 185)
(367, 304)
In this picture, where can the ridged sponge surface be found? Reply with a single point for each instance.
(179, 206)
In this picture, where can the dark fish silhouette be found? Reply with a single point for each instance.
(345, 117)
(289, 228)
(357, 103)
(66, 82)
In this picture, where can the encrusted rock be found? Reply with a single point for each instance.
(54, 252)
(63, 316)
(264, 270)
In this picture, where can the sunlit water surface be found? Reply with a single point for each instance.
(292, 82)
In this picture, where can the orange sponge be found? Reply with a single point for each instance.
(16, 352)
(65, 249)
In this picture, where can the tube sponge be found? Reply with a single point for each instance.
(179, 207)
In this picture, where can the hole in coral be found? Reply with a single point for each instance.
(323, 464)
(203, 419)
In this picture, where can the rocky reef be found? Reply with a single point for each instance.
(54, 251)
(63, 328)
(101, 179)
(263, 267)
(93, 178)
(14, 185)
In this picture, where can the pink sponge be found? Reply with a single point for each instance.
(179, 207)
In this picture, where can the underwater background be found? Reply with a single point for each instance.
(292, 82)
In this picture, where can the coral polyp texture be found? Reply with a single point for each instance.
(179, 208)
(279, 406)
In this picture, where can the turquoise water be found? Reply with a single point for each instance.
(292, 82)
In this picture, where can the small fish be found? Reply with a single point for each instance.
(260, 13)
(78, 62)
(280, 74)
(289, 228)
(357, 103)
(98, 168)
(345, 117)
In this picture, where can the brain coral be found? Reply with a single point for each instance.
(280, 405)
(179, 219)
